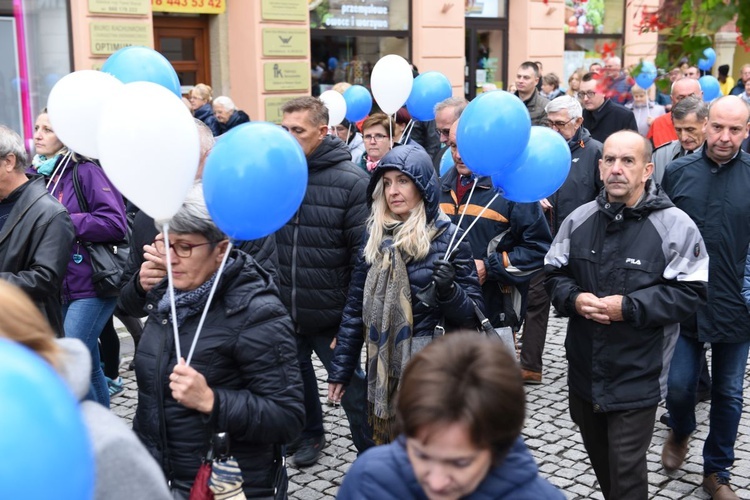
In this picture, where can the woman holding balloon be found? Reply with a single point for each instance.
(243, 378)
(404, 287)
(84, 312)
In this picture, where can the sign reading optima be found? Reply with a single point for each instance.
(354, 15)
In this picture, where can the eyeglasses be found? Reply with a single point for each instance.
(590, 94)
(443, 132)
(181, 249)
(558, 124)
(376, 137)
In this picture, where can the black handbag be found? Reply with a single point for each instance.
(107, 259)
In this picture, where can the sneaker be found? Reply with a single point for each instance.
(309, 451)
(531, 378)
(116, 387)
(718, 487)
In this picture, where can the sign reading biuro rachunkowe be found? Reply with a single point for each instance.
(352, 14)
(286, 76)
(109, 37)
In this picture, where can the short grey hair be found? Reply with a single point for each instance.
(565, 102)
(688, 105)
(11, 143)
(193, 217)
(226, 102)
(457, 103)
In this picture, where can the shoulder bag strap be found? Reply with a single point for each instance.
(79, 193)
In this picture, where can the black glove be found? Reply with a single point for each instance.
(443, 275)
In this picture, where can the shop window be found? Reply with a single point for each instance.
(589, 26)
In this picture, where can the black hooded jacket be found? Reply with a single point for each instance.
(318, 246)
(457, 310)
(238, 118)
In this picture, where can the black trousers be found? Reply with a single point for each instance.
(535, 326)
(617, 443)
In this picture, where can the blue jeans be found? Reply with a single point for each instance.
(728, 364)
(84, 319)
(354, 401)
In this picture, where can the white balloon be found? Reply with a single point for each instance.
(336, 105)
(75, 106)
(391, 81)
(149, 147)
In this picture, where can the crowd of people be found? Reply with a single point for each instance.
(645, 248)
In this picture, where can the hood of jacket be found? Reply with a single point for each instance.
(414, 162)
(330, 152)
(654, 199)
(581, 137)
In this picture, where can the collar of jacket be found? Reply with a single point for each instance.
(652, 199)
(720, 166)
(448, 181)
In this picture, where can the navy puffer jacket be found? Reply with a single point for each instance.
(457, 310)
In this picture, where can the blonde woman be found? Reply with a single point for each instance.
(200, 98)
(401, 288)
(574, 83)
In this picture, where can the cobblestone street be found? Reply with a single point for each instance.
(549, 433)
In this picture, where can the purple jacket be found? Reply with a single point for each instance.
(105, 223)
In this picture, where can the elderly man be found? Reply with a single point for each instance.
(712, 188)
(739, 88)
(617, 80)
(36, 233)
(317, 250)
(689, 117)
(583, 183)
(602, 117)
(626, 268)
(447, 113)
(527, 78)
(508, 242)
(662, 130)
(227, 114)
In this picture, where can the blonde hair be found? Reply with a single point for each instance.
(412, 238)
(203, 91)
(22, 322)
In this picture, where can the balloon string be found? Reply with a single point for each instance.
(391, 119)
(208, 302)
(476, 220)
(406, 132)
(460, 219)
(61, 168)
(165, 232)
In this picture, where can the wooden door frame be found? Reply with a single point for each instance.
(178, 25)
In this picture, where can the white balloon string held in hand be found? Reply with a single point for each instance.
(165, 232)
(208, 302)
(461, 219)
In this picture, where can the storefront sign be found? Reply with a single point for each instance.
(132, 7)
(190, 6)
(273, 107)
(353, 15)
(284, 10)
(485, 8)
(107, 38)
(279, 42)
(286, 76)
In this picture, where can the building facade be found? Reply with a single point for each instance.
(264, 52)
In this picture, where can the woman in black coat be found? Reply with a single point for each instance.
(243, 379)
(200, 98)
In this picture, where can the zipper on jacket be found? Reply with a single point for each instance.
(294, 269)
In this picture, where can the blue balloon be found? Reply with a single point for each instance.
(429, 89)
(707, 61)
(492, 131)
(539, 171)
(332, 63)
(358, 103)
(46, 451)
(446, 162)
(647, 75)
(142, 64)
(254, 180)
(710, 86)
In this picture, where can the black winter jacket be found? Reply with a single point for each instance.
(457, 310)
(653, 255)
(608, 119)
(511, 238)
(318, 247)
(247, 353)
(716, 198)
(238, 118)
(583, 182)
(206, 114)
(35, 246)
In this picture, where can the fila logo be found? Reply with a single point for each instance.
(575, 160)
(635, 262)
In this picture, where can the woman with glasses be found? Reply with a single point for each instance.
(243, 379)
(376, 131)
(200, 98)
(403, 290)
(85, 313)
